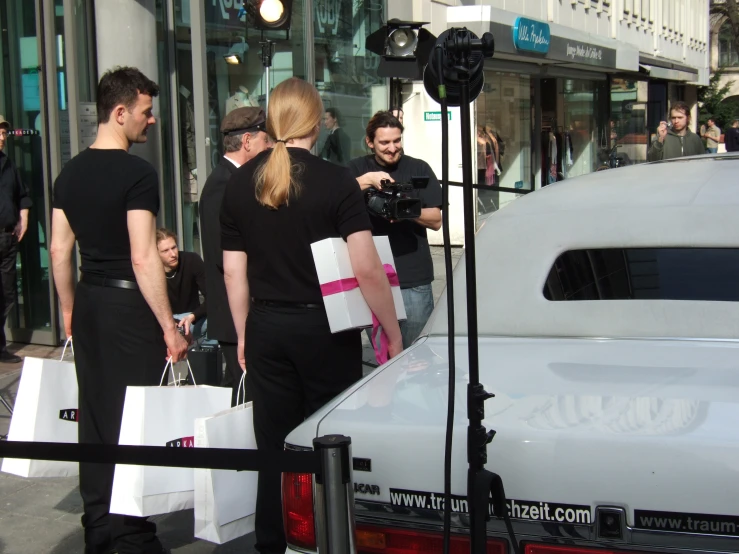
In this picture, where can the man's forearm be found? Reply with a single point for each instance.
(63, 272)
(24, 215)
(430, 218)
(150, 278)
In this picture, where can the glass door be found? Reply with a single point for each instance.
(33, 99)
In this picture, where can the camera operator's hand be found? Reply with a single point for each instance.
(186, 323)
(373, 179)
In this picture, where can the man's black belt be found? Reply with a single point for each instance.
(109, 282)
(281, 304)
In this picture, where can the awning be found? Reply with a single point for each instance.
(668, 74)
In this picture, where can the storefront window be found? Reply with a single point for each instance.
(503, 139)
(579, 137)
(628, 131)
(346, 73)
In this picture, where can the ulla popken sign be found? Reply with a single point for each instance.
(531, 36)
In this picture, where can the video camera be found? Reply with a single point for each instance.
(392, 201)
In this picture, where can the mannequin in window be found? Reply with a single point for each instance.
(239, 99)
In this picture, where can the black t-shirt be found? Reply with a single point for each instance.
(408, 239)
(184, 283)
(96, 189)
(277, 242)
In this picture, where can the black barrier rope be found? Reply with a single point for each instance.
(288, 461)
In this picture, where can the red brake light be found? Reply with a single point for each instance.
(297, 509)
(388, 540)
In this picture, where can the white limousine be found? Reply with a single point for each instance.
(609, 334)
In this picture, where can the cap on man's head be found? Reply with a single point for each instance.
(244, 119)
(4, 123)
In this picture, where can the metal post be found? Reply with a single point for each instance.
(267, 53)
(334, 496)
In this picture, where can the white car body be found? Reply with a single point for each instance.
(623, 405)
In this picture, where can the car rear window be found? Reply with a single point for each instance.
(645, 274)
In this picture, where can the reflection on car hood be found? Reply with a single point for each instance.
(643, 424)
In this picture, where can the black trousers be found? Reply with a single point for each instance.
(117, 342)
(232, 375)
(8, 255)
(294, 366)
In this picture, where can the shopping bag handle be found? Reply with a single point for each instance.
(68, 343)
(241, 391)
(169, 365)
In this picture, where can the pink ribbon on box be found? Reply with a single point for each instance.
(351, 283)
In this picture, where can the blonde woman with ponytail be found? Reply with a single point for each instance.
(274, 207)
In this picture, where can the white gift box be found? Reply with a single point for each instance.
(347, 309)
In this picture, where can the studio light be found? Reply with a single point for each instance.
(268, 15)
(237, 53)
(404, 46)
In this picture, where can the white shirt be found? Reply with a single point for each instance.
(237, 164)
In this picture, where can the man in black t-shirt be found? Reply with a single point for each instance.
(107, 200)
(185, 273)
(408, 239)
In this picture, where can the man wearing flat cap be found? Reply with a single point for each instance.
(244, 136)
(14, 205)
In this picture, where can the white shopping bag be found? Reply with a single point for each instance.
(225, 501)
(161, 416)
(45, 411)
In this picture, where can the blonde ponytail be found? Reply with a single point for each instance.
(295, 111)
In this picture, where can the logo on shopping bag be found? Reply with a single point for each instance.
(70, 414)
(184, 442)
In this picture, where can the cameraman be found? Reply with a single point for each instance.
(407, 237)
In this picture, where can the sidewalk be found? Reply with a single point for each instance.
(42, 516)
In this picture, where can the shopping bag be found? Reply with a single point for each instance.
(45, 411)
(161, 416)
(225, 501)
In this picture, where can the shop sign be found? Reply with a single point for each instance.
(574, 51)
(333, 19)
(531, 36)
(435, 116)
(224, 13)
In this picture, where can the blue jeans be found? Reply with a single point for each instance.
(198, 329)
(712, 150)
(419, 303)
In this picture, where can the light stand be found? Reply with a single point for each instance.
(268, 51)
(457, 81)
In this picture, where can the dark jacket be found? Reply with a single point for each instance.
(13, 194)
(337, 148)
(731, 139)
(220, 322)
(676, 146)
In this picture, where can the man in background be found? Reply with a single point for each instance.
(14, 205)
(712, 134)
(677, 141)
(185, 273)
(337, 148)
(731, 137)
(244, 136)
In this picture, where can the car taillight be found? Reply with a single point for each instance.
(388, 540)
(297, 510)
(561, 549)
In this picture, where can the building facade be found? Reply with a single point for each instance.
(606, 79)
(595, 91)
